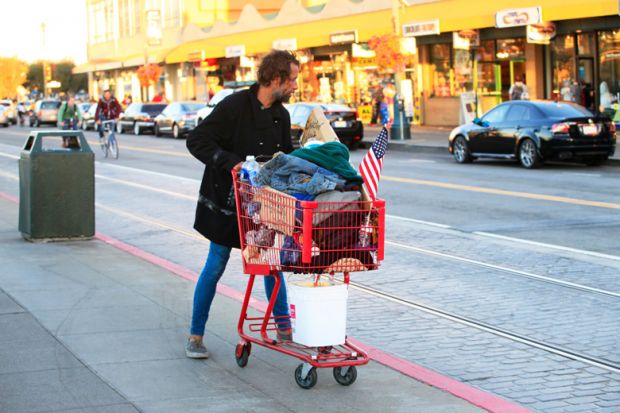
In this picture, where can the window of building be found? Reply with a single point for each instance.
(136, 12)
(440, 67)
(563, 67)
(609, 50)
(171, 13)
(124, 18)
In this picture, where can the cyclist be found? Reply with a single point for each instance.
(69, 117)
(108, 108)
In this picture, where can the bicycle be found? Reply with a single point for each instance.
(108, 143)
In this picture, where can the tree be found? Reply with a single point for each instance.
(149, 74)
(388, 51)
(62, 72)
(12, 75)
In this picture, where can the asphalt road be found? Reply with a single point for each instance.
(535, 253)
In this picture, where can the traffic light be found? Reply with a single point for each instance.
(48, 73)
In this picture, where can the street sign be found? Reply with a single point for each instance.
(518, 17)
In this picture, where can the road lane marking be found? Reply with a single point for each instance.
(8, 155)
(502, 192)
(417, 221)
(148, 188)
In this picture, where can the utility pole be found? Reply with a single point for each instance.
(44, 62)
(400, 127)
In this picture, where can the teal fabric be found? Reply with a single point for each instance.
(333, 156)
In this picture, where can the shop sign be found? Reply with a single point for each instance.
(343, 37)
(541, 33)
(196, 56)
(518, 17)
(235, 51)
(424, 28)
(464, 39)
(365, 61)
(285, 44)
(362, 51)
(365, 113)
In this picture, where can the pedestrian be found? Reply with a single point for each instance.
(160, 98)
(108, 108)
(518, 90)
(127, 101)
(249, 122)
(68, 118)
(376, 106)
(607, 101)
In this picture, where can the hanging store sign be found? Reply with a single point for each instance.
(518, 17)
(425, 28)
(464, 39)
(235, 51)
(343, 37)
(196, 56)
(541, 33)
(362, 51)
(285, 44)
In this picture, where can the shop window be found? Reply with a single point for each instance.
(511, 49)
(585, 44)
(440, 65)
(609, 50)
(563, 64)
(463, 80)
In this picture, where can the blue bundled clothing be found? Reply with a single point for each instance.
(291, 174)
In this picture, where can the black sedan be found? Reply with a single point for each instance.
(139, 117)
(534, 132)
(343, 120)
(177, 119)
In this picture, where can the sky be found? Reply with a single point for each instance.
(65, 30)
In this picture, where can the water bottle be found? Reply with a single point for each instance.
(249, 170)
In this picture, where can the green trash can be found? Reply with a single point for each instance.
(56, 188)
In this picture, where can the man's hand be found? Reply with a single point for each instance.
(237, 167)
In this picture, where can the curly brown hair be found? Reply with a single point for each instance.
(276, 64)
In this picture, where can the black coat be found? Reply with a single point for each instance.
(237, 127)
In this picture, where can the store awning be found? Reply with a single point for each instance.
(311, 34)
(461, 15)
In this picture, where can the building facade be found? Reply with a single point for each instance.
(562, 49)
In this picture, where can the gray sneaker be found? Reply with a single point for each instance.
(196, 350)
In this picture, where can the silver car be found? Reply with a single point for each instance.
(45, 112)
(10, 110)
(4, 118)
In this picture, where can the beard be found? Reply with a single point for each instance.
(281, 96)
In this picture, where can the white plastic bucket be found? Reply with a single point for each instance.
(318, 314)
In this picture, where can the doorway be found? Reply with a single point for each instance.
(585, 76)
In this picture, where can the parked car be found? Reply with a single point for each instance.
(10, 110)
(177, 119)
(217, 98)
(88, 118)
(45, 112)
(84, 107)
(343, 120)
(4, 116)
(534, 132)
(139, 117)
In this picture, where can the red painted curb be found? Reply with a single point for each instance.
(471, 394)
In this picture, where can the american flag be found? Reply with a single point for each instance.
(371, 165)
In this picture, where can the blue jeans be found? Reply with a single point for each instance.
(205, 290)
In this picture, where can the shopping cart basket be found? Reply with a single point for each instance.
(279, 233)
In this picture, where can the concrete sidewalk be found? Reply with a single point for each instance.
(430, 139)
(86, 327)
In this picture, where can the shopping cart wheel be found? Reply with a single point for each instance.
(242, 353)
(345, 375)
(307, 382)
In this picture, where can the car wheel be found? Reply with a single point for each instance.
(460, 150)
(528, 154)
(175, 131)
(595, 160)
(157, 131)
(119, 128)
(136, 129)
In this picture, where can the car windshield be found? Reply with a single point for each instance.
(563, 110)
(153, 109)
(50, 105)
(192, 107)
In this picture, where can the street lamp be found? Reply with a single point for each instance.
(400, 129)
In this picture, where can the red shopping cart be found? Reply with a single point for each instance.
(280, 233)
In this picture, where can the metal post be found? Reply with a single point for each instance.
(400, 127)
